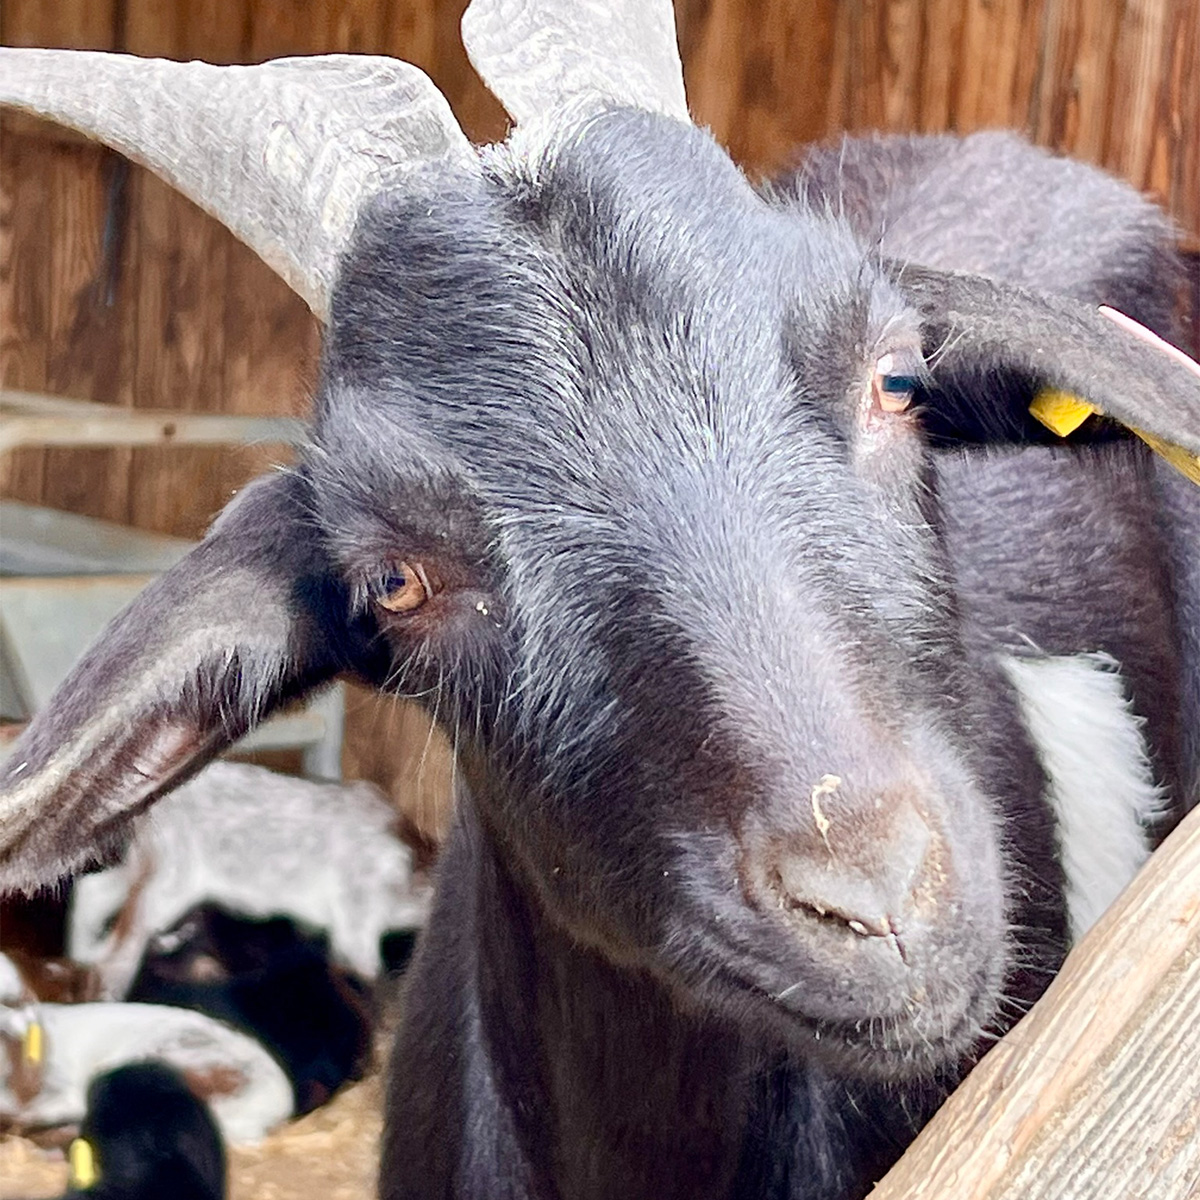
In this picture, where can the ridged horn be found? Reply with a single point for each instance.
(283, 153)
(537, 55)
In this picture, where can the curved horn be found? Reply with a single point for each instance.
(539, 54)
(283, 153)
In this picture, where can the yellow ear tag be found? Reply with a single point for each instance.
(33, 1044)
(1063, 413)
(83, 1164)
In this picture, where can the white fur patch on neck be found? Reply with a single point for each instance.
(1101, 781)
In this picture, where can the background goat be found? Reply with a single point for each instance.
(698, 517)
(53, 1052)
(147, 1136)
(260, 844)
(272, 980)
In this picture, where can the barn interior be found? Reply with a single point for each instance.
(151, 365)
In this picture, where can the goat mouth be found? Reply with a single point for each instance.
(921, 1039)
(892, 1048)
(927, 1030)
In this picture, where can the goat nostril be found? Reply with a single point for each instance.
(868, 888)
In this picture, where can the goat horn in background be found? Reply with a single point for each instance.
(537, 55)
(283, 153)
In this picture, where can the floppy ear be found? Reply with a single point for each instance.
(993, 346)
(251, 619)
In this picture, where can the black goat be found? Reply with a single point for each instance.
(270, 979)
(713, 526)
(147, 1137)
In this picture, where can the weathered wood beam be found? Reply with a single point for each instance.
(30, 419)
(1096, 1093)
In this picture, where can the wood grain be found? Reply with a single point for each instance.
(24, 293)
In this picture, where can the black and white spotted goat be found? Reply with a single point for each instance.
(807, 696)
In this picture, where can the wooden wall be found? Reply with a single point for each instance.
(113, 288)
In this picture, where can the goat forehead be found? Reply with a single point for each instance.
(620, 285)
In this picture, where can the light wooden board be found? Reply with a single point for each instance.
(1095, 1095)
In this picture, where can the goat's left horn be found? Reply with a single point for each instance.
(538, 55)
(283, 153)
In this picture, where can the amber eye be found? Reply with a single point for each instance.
(895, 382)
(406, 588)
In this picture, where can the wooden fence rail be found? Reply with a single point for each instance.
(1095, 1095)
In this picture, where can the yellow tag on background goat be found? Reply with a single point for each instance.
(83, 1164)
(33, 1044)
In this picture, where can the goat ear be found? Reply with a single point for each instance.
(979, 329)
(249, 620)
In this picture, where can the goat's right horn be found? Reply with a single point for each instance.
(283, 153)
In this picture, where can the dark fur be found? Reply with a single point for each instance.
(272, 980)
(610, 398)
(151, 1138)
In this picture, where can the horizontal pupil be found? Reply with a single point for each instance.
(899, 383)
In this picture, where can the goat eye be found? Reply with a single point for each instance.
(406, 588)
(896, 379)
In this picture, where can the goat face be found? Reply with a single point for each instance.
(615, 466)
(615, 425)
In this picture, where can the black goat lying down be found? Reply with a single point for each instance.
(272, 979)
(807, 698)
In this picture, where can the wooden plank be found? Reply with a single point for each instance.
(899, 64)
(84, 329)
(1138, 70)
(126, 427)
(180, 348)
(1071, 101)
(32, 418)
(75, 211)
(1183, 116)
(24, 293)
(999, 53)
(941, 64)
(16, 401)
(1096, 1093)
(76, 24)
